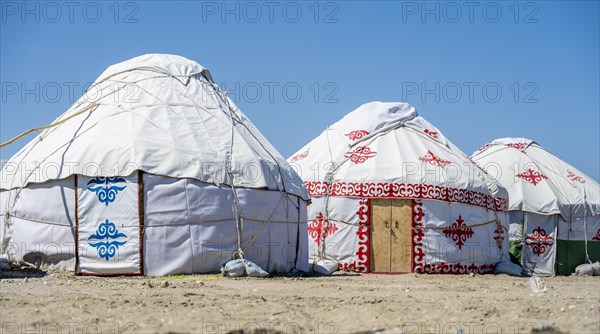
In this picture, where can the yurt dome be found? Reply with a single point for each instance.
(554, 208)
(390, 193)
(153, 171)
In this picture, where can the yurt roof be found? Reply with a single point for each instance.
(538, 181)
(385, 149)
(161, 114)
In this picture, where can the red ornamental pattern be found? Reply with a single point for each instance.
(320, 228)
(539, 241)
(405, 190)
(484, 147)
(532, 176)
(417, 237)
(597, 236)
(431, 158)
(499, 235)
(456, 268)
(300, 156)
(360, 154)
(356, 134)
(518, 146)
(363, 233)
(575, 177)
(433, 134)
(458, 232)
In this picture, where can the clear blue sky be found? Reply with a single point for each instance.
(543, 56)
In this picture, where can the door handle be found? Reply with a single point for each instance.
(397, 225)
(387, 225)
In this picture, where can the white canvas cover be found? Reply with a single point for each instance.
(161, 114)
(213, 187)
(549, 199)
(386, 150)
(538, 181)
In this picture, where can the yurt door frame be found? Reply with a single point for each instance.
(109, 222)
(391, 235)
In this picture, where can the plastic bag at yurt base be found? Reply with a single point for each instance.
(508, 268)
(588, 269)
(253, 270)
(325, 267)
(537, 285)
(234, 268)
(241, 267)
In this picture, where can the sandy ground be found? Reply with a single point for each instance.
(33, 301)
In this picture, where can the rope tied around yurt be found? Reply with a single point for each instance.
(49, 126)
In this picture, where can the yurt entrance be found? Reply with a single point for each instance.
(109, 224)
(391, 235)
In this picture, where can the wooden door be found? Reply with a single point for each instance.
(381, 211)
(401, 236)
(391, 235)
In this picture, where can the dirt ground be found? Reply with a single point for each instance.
(33, 301)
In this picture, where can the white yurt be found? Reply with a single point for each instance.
(154, 171)
(391, 194)
(554, 209)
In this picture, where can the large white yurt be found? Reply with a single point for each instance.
(391, 194)
(154, 171)
(554, 209)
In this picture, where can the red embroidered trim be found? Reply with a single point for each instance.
(405, 190)
(363, 263)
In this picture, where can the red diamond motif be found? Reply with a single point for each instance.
(532, 176)
(539, 241)
(499, 235)
(458, 232)
(320, 228)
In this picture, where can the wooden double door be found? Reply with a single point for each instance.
(391, 235)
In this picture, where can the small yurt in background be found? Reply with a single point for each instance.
(153, 171)
(391, 194)
(554, 209)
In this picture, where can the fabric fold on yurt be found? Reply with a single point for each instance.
(390, 193)
(554, 208)
(153, 171)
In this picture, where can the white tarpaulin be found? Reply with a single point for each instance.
(108, 225)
